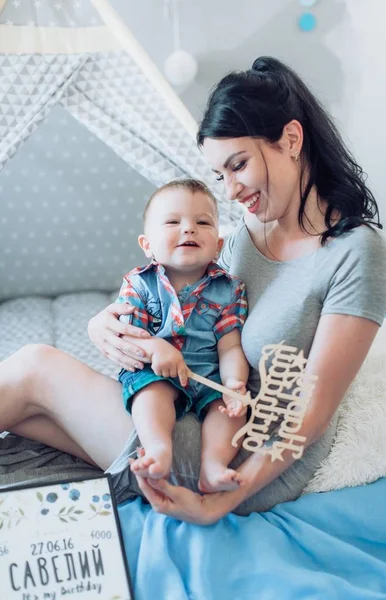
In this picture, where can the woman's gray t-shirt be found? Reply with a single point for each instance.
(286, 299)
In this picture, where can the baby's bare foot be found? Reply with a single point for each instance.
(215, 477)
(155, 461)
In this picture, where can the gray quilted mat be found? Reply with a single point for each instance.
(60, 322)
(24, 321)
(70, 316)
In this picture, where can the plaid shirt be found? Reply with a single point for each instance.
(193, 320)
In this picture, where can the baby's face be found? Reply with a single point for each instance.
(181, 230)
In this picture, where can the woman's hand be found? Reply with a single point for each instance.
(115, 339)
(183, 504)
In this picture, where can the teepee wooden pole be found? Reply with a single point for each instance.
(128, 42)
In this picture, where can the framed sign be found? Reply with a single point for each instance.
(62, 540)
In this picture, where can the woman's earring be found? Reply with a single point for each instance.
(296, 156)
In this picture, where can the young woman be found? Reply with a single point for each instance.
(312, 260)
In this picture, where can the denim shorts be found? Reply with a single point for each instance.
(194, 398)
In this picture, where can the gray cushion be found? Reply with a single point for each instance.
(61, 322)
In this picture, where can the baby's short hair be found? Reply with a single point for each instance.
(192, 185)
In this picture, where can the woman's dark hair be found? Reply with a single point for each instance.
(259, 103)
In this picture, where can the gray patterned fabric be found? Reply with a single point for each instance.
(60, 322)
(29, 87)
(71, 212)
(50, 13)
(70, 316)
(23, 321)
(112, 97)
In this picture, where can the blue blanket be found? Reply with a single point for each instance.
(322, 546)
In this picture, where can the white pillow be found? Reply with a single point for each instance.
(358, 455)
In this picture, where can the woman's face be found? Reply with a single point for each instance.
(263, 177)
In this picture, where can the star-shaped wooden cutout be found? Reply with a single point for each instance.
(276, 453)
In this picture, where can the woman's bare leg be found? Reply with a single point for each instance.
(41, 381)
(42, 429)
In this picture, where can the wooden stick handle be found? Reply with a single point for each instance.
(128, 42)
(245, 400)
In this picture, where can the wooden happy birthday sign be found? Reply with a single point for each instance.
(285, 382)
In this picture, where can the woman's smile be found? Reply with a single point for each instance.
(251, 202)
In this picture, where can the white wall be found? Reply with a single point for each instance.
(343, 59)
(359, 42)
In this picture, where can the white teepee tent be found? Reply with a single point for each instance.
(102, 76)
(57, 236)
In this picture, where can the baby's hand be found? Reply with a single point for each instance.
(167, 361)
(234, 408)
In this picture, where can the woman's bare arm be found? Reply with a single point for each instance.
(124, 344)
(131, 346)
(340, 346)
